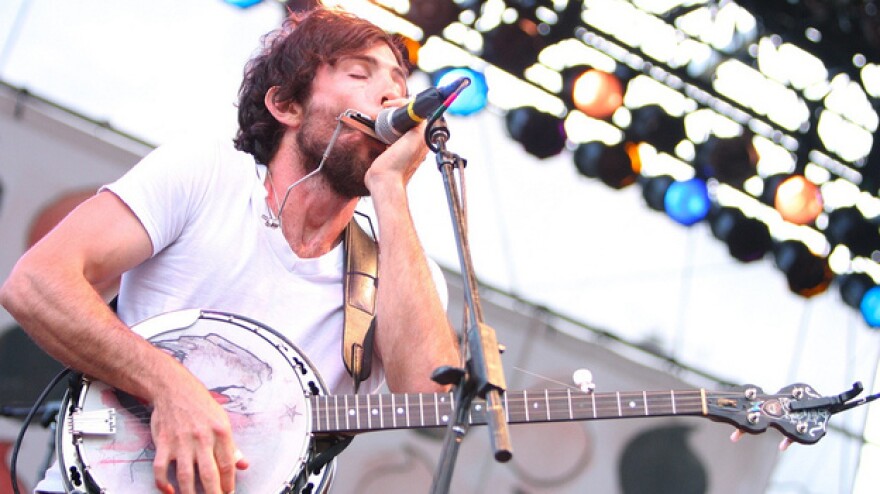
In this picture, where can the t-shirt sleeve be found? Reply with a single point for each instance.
(166, 188)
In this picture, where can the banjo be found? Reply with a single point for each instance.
(279, 407)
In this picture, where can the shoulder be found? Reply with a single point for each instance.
(203, 153)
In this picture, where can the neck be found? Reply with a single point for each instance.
(313, 216)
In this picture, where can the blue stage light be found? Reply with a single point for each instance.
(473, 98)
(687, 202)
(870, 307)
(243, 4)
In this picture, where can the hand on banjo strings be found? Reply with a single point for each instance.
(193, 432)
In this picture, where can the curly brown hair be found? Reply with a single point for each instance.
(289, 59)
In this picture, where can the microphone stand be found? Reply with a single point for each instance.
(483, 375)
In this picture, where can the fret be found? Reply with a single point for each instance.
(421, 410)
(357, 411)
(506, 409)
(369, 414)
(406, 406)
(672, 400)
(547, 402)
(393, 413)
(526, 404)
(380, 411)
(645, 402)
(570, 411)
(345, 401)
(436, 411)
(593, 398)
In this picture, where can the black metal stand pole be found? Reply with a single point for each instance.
(483, 375)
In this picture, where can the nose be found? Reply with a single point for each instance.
(390, 88)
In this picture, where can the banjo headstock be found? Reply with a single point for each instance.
(797, 410)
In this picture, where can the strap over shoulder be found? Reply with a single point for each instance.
(359, 285)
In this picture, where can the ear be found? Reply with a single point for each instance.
(287, 113)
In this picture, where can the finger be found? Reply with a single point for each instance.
(186, 476)
(736, 436)
(225, 456)
(784, 444)
(241, 462)
(208, 473)
(396, 102)
(160, 472)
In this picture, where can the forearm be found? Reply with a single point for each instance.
(65, 316)
(414, 334)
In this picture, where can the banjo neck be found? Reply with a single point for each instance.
(363, 413)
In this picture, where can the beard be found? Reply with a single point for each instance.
(348, 161)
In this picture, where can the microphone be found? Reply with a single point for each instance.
(391, 123)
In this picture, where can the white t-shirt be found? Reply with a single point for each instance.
(203, 207)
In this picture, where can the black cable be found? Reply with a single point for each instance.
(13, 468)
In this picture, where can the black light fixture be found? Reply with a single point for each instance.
(651, 124)
(541, 134)
(849, 227)
(610, 164)
(432, 16)
(853, 286)
(730, 160)
(513, 47)
(748, 239)
(807, 273)
(654, 190)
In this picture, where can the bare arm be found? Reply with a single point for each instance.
(414, 336)
(51, 293)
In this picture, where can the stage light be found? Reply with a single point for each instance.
(654, 191)
(687, 202)
(849, 227)
(870, 307)
(432, 16)
(541, 134)
(411, 49)
(513, 47)
(798, 200)
(748, 239)
(807, 274)
(852, 288)
(610, 164)
(651, 124)
(243, 4)
(730, 160)
(596, 93)
(473, 98)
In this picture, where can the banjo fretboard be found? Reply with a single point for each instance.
(360, 413)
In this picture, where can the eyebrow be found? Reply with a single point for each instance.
(372, 61)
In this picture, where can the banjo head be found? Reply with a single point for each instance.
(259, 378)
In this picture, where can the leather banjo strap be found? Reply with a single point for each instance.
(359, 285)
